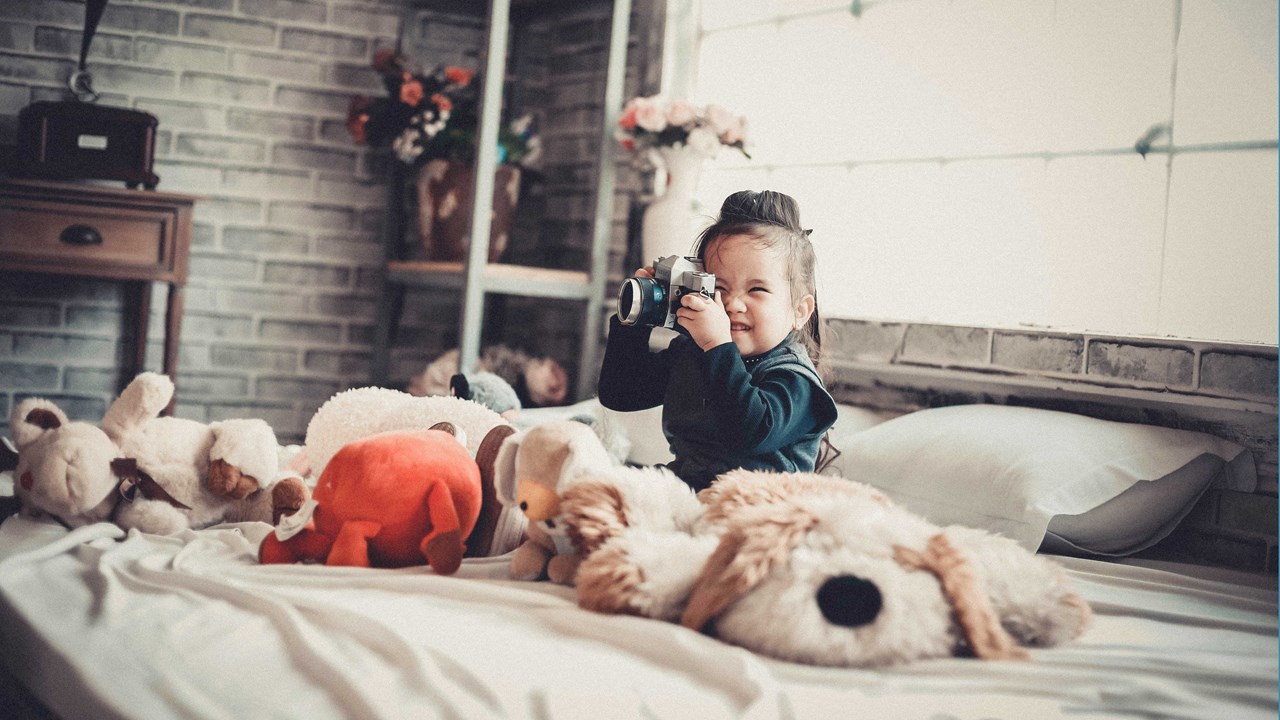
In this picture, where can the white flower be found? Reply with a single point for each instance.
(721, 119)
(533, 156)
(521, 124)
(704, 141)
(406, 145)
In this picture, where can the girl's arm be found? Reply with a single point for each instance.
(780, 408)
(631, 377)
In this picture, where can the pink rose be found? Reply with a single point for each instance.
(651, 115)
(628, 119)
(411, 91)
(680, 113)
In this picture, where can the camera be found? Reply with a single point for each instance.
(654, 301)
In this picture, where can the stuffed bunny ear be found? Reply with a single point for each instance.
(746, 553)
(504, 469)
(32, 418)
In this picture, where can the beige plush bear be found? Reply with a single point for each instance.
(226, 471)
(156, 474)
(63, 467)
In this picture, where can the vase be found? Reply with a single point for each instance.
(669, 222)
(444, 191)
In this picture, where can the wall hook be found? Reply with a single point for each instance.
(1153, 133)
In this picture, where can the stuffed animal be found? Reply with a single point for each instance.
(63, 467)
(487, 389)
(394, 499)
(533, 467)
(362, 412)
(155, 474)
(537, 381)
(814, 569)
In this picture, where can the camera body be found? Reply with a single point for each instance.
(654, 301)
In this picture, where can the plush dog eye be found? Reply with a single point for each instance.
(849, 600)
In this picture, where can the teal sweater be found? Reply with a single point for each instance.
(721, 411)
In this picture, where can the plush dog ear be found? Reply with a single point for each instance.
(978, 619)
(504, 468)
(480, 540)
(585, 453)
(748, 550)
(32, 418)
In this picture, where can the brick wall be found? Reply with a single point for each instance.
(251, 96)
(1225, 389)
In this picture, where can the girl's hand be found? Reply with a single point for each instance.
(705, 320)
(644, 272)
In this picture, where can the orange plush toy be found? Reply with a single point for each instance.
(389, 500)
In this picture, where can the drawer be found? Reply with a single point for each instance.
(84, 238)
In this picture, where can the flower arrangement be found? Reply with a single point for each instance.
(432, 116)
(652, 123)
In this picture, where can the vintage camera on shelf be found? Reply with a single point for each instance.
(654, 301)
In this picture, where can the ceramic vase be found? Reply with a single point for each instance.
(669, 221)
(444, 191)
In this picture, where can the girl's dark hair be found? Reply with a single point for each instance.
(773, 219)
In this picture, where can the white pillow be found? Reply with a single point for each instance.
(1095, 485)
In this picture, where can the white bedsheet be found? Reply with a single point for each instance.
(192, 627)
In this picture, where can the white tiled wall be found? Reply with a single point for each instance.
(972, 161)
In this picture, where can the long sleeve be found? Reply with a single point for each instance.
(631, 377)
(765, 414)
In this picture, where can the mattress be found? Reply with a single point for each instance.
(97, 623)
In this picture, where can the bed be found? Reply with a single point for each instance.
(96, 623)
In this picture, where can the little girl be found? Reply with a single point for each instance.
(740, 390)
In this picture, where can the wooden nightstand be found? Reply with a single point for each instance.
(136, 236)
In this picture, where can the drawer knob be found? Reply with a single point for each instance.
(81, 235)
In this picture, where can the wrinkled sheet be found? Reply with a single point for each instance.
(99, 624)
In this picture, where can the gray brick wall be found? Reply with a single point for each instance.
(251, 96)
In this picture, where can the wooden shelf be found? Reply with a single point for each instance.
(474, 278)
(500, 278)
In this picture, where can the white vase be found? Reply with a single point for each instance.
(669, 223)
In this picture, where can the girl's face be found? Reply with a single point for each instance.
(755, 293)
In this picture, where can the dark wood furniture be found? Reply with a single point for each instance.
(136, 236)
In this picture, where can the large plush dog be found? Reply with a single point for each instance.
(812, 569)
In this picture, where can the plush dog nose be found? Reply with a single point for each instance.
(849, 600)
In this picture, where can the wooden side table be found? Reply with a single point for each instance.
(137, 236)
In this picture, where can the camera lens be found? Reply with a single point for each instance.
(639, 300)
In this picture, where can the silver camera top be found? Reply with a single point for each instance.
(654, 302)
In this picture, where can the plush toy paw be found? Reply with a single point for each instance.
(529, 561)
(227, 481)
(444, 552)
(287, 497)
(562, 569)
